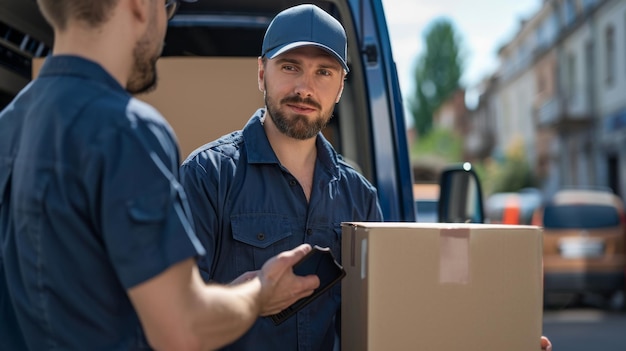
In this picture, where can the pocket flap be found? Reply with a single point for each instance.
(260, 229)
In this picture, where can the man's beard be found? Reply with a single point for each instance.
(298, 126)
(143, 76)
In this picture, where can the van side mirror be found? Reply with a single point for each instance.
(460, 195)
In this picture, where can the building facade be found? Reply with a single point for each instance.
(561, 87)
(610, 97)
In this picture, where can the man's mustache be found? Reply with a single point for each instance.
(298, 100)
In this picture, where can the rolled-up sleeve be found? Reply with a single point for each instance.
(145, 219)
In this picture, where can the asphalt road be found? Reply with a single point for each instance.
(585, 329)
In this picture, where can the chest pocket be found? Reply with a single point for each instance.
(258, 237)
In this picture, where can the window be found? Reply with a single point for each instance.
(610, 55)
(569, 12)
(540, 38)
(588, 216)
(553, 27)
(571, 78)
(589, 68)
(588, 4)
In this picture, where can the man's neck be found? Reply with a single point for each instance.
(100, 46)
(298, 156)
(291, 152)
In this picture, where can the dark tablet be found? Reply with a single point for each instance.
(321, 262)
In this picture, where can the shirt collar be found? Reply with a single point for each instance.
(260, 150)
(76, 66)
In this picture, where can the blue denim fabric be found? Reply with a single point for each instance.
(248, 208)
(91, 207)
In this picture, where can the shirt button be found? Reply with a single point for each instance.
(293, 182)
(260, 236)
(309, 231)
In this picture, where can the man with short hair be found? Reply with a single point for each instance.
(98, 245)
(279, 183)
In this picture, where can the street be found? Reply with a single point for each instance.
(585, 329)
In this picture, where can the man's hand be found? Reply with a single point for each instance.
(245, 277)
(280, 287)
(546, 345)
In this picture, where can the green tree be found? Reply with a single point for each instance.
(437, 73)
(512, 173)
(431, 153)
(441, 144)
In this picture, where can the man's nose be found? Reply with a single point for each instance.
(304, 86)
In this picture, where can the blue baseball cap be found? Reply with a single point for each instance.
(305, 25)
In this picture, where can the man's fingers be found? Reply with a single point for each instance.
(280, 286)
(269, 310)
(297, 287)
(309, 283)
(545, 344)
(293, 256)
(284, 261)
(245, 277)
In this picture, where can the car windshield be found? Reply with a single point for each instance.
(426, 210)
(580, 216)
(426, 206)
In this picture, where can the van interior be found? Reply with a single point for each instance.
(207, 85)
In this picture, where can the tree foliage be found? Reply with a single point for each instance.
(431, 153)
(512, 173)
(441, 143)
(437, 73)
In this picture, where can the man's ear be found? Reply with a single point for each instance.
(340, 90)
(139, 9)
(261, 74)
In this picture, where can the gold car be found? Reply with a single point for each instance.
(584, 250)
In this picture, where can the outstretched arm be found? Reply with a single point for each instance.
(179, 312)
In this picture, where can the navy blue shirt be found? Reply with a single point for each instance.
(91, 207)
(247, 208)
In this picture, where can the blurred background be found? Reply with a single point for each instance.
(536, 95)
(533, 93)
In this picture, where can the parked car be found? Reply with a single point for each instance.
(426, 197)
(426, 210)
(584, 248)
(513, 207)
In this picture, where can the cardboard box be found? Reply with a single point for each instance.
(202, 98)
(440, 286)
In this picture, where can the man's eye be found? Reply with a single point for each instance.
(325, 72)
(289, 68)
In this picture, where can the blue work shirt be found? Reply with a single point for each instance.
(247, 208)
(94, 208)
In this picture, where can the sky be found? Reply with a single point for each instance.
(483, 25)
